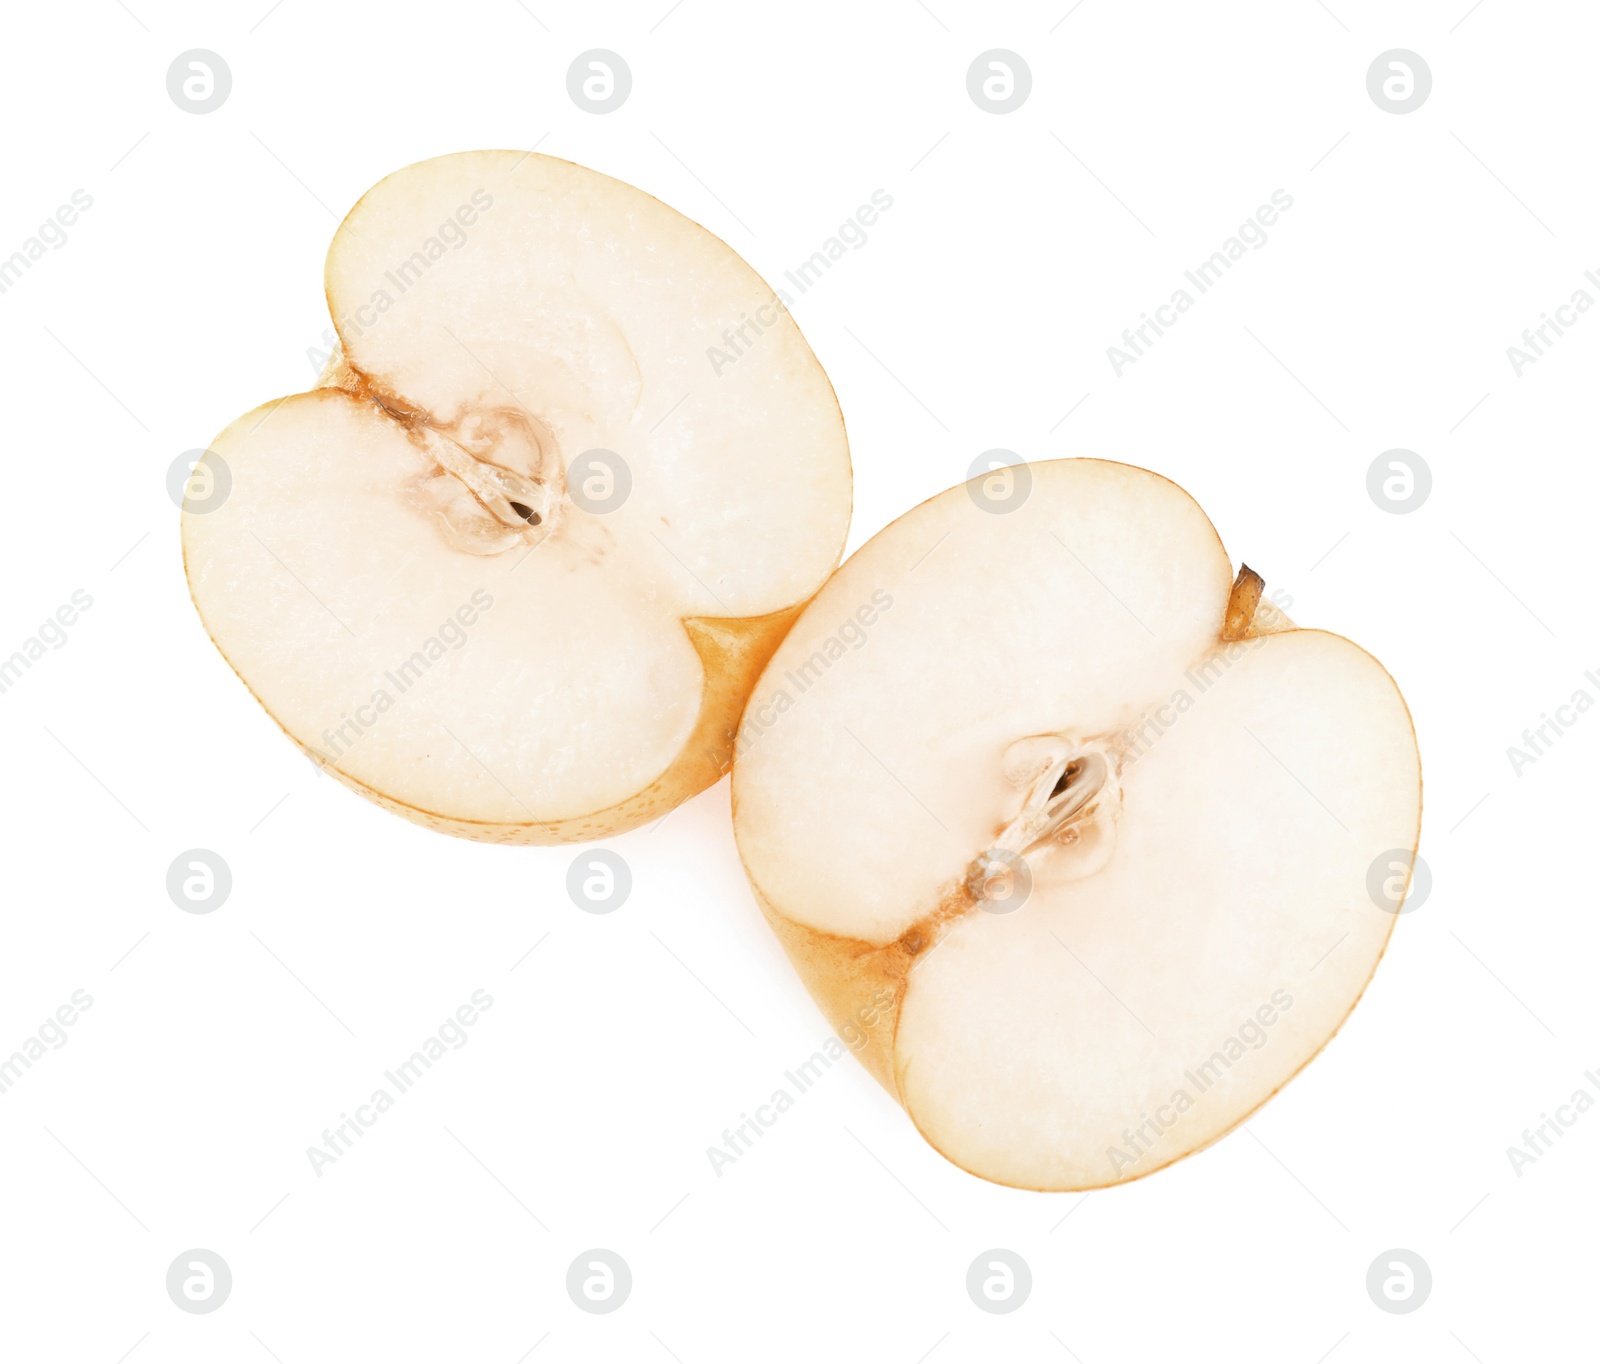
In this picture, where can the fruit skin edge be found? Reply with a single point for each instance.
(848, 978)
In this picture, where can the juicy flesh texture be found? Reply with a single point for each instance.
(524, 682)
(1156, 985)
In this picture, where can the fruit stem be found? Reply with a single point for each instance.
(1242, 603)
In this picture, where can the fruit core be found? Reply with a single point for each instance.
(1070, 799)
(496, 483)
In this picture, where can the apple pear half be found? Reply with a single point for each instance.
(1069, 828)
(512, 569)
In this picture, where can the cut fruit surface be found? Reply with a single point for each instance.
(1088, 808)
(513, 572)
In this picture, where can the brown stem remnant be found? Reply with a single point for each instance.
(1242, 604)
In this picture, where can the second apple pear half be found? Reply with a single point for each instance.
(1072, 824)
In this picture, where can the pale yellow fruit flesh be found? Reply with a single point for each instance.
(589, 675)
(1143, 1000)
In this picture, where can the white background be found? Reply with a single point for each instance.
(977, 316)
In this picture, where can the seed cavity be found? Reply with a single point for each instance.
(483, 508)
(1071, 800)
